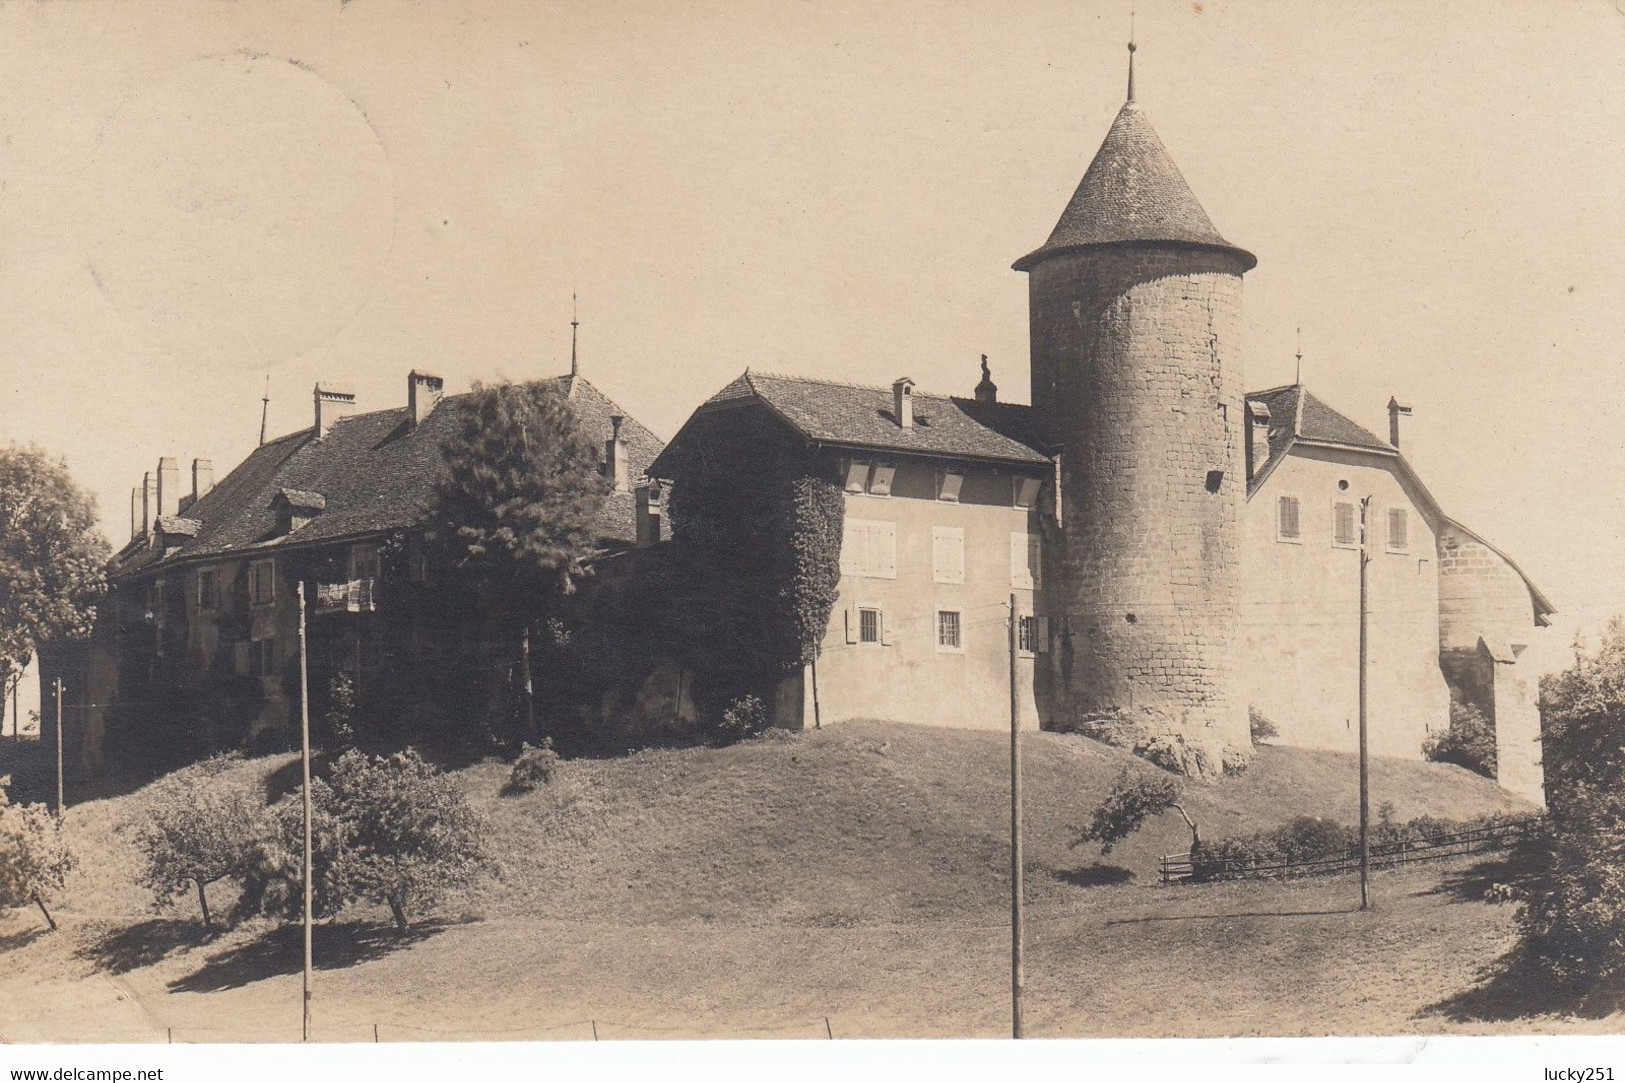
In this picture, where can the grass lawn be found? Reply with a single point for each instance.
(858, 873)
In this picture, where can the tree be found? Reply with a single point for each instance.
(201, 828)
(1469, 742)
(1135, 797)
(515, 511)
(408, 834)
(51, 556)
(34, 857)
(1572, 920)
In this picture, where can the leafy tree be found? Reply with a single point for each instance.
(1261, 727)
(1135, 797)
(408, 833)
(1572, 921)
(201, 828)
(51, 555)
(34, 857)
(1469, 742)
(273, 866)
(515, 511)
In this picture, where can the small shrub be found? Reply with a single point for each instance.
(1469, 742)
(1135, 797)
(743, 718)
(201, 828)
(273, 871)
(1261, 727)
(34, 856)
(535, 767)
(339, 718)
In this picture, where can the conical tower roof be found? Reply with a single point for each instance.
(1132, 193)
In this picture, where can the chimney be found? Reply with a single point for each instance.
(169, 487)
(615, 455)
(1258, 437)
(333, 401)
(651, 503)
(149, 502)
(202, 478)
(422, 396)
(137, 528)
(1395, 412)
(987, 390)
(902, 393)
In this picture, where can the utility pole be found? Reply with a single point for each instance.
(1017, 977)
(60, 805)
(1365, 766)
(530, 689)
(304, 760)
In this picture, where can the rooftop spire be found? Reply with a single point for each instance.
(1131, 48)
(1298, 379)
(265, 407)
(574, 323)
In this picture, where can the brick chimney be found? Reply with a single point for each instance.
(169, 487)
(1395, 412)
(333, 401)
(987, 390)
(422, 396)
(149, 502)
(902, 394)
(1258, 437)
(202, 478)
(615, 456)
(137, 528)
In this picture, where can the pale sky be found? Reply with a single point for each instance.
(193, 195)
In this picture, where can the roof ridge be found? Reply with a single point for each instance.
(918, 394)
(1274, 390)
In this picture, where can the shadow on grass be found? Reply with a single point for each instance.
(142, 944)
(1096, 875)
(1246, 914)
(1517, 869)
(1511, 988)
(20, 939)
(281, 952)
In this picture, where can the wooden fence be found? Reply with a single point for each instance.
(1179, 868)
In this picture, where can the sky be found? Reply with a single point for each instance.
(196, 199)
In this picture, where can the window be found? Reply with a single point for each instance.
(857, 476)
(364, 561)
(262, 582)
(880, 481)
(208, 596)
(868, 626)
(1027, 635)
(1399, 528)
(948, 637)
(1025, 555)
(947, 554)
(865, 476)
(949, 482)
(1287, 527)
(1024, 492)
(264, 657)
(869, 548)
(1345, 528)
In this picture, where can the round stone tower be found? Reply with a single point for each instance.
(1135, 310)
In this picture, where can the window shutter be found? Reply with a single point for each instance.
(1344, 532)
(857, 476)
(885, 629)
(1021, 560)
(1043, 635)
(883, 549)
(853, 539)
(947, 554)
(1288, 517)
(1397, 528)
(852, 622)
(881, 485)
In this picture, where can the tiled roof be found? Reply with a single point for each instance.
(371, 473)
(848, 415)
(1131, 192)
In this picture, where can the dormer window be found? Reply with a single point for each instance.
(880, 480)
(296, 507)
(867, 476)
(857, 475)
(364, 561)
(949, 482)
(1024, 492)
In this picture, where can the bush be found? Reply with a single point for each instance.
(1307, 838)
(34, 857)
(535, 766)
(1260, 725)
(1469, 742)
(201, 828)
(744, 717)
(273, 872)
(407, 833)
(338, 719)
(1135, 797)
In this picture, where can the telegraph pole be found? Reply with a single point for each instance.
(1365, 766)
(304, 757)
(530, 688)
(1017, 977)
(60, 805)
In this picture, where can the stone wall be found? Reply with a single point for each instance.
(1137, 375)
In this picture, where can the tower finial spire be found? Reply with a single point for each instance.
(265, 407)
(574, 323)
(1298, 378)
(1131, 48)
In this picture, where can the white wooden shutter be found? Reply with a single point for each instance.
(1021, 560)
(852, 619)
(947, 554)
(885, 628)
(883, 550)
(854, 541)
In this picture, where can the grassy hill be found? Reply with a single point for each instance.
(860, 873)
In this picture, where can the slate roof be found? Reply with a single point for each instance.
(849, 415)
(1131, 193)
(373, 474)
